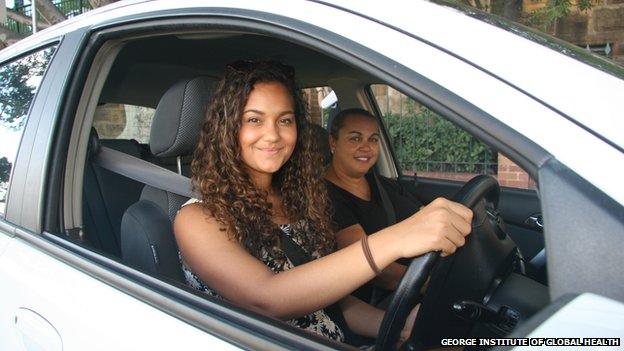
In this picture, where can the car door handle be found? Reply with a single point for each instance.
(36, 332)
(535, 221)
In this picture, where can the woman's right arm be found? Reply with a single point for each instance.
(228, 268)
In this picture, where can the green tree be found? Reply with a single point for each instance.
(49, 12)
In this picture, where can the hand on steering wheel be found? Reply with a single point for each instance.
(406, 295)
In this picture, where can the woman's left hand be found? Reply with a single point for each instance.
(409, 325)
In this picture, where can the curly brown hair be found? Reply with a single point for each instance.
(227, 190)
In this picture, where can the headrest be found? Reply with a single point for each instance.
(178, 118)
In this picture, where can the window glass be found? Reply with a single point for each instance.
(432, 147)
(119, 121)
(322, 103)
(19, 81)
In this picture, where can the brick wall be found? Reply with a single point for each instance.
(511, 175)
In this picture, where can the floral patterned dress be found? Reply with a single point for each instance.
(318, 322)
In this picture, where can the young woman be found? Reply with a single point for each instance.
(354, 191)
(260, 179)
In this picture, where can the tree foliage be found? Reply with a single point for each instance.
(18, 83)
(547, 16)
(5, 170)
(542, 19)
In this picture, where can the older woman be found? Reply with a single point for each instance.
(355, 190)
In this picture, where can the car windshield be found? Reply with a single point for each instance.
(539, 37)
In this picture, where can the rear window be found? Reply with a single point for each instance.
(120, 121)
(19, 82)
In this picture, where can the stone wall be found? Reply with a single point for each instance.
(116, 121)
(109, 120)
(602, 24)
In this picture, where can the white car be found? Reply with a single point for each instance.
(87, 258)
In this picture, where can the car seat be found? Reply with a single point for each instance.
(147, 239)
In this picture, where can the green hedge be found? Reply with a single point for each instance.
(423, 141)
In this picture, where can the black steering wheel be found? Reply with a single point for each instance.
(466, 275)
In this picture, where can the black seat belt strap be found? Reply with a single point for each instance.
(297, 257)
(385, 201)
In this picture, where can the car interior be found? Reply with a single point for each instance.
(120, 202)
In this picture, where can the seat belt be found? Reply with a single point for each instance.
(385, 201)
(144, 172)
(378, 295)
(297, 257)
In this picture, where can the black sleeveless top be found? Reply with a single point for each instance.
(349, 209)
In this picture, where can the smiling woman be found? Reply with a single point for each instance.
(357, 192)
(268, 131)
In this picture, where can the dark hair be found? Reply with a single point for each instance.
(227, 190)
(339, 119)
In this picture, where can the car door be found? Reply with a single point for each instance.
(49, 302)
(21, 79)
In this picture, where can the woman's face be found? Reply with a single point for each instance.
(356, 148)
(268, 131)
